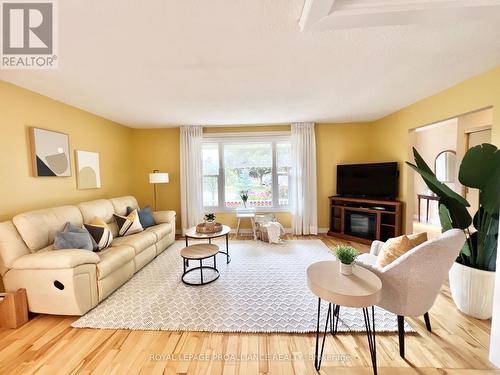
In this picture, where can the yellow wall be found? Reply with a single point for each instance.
(20, 109)
(156, 149)
(390, 134)
(159, 149)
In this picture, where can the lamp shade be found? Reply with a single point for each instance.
(158, 178)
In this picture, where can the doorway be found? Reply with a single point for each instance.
(443, 145)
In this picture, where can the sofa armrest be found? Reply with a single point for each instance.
(164, 216)
(55, 259)
(376, 246)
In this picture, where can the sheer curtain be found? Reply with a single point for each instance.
(303, 173)
(191, 176)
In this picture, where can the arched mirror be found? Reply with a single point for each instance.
(444, 166)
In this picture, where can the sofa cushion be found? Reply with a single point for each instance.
(38, 228)
(160, 230)
(112, 259)
(120, 204)
(55, 259)
(140, 241)
(163, 216)
(12, 246)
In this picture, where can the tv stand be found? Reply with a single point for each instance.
(365, 220)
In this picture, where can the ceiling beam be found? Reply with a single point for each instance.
(369, 13)
(313, 11)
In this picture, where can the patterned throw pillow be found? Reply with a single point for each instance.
(129, 224)
(100, 232)
(145, 216)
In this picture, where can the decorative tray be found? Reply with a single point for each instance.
(208, 228)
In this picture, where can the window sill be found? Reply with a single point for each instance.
(258, 210)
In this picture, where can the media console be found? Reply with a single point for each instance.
(364, 220)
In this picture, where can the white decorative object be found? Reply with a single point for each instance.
(495, 321)
(88, 173)
(303, 180)
(345, 269)
(191, 176)
(263, 289)
(472, 290)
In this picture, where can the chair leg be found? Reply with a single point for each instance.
(427, 322)
(401, 333)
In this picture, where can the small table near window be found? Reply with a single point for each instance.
(246, 213)
(427, 198)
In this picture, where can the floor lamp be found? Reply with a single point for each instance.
(156, 178)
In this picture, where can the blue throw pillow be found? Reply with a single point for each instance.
(145, 216)
(73, 237)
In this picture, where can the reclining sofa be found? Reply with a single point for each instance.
(73, 281)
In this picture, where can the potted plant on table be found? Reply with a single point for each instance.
(244, 197)
(210, 220)
(346, 255)
(472, 277)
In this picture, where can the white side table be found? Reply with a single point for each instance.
(246, 213)
(362, 289)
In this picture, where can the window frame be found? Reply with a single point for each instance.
(221, 139)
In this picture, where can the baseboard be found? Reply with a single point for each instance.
(323, 230)
(242, 231)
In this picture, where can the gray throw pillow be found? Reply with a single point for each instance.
(74, 237)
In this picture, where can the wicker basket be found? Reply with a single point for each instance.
(208, 228)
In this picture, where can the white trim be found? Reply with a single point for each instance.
(323, 230)
(248, 134)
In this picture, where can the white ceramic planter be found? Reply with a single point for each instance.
(345, 269)
(472, 290)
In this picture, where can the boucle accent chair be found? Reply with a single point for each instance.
(73, 281)
(411, 283)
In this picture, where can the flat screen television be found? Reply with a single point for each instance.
(377, 180)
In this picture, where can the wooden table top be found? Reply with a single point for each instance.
(192, 233)
(361, 289)
(199, 251)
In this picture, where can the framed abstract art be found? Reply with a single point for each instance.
(50, 153)
(88, 174)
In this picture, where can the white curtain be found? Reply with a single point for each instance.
(191, 176)
(303, 173)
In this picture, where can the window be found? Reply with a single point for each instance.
(259, 165)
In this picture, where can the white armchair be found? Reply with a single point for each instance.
(411, 283)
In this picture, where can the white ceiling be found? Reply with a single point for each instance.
(161, 63)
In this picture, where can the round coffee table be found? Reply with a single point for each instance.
(199, 252)
(192, 233)
(361, 289)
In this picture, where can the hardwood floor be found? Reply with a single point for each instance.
(47, 344)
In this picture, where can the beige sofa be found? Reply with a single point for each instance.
(71, 282)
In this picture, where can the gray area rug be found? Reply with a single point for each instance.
(263, 289)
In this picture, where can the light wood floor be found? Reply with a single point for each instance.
(47, 344)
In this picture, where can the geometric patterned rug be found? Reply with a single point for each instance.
(262, 289)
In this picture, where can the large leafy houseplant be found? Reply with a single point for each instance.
(480, 169)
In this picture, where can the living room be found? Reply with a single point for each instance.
(293, 123)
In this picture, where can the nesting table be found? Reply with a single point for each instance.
(362, 289)
(192, 233)
(199, 252)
